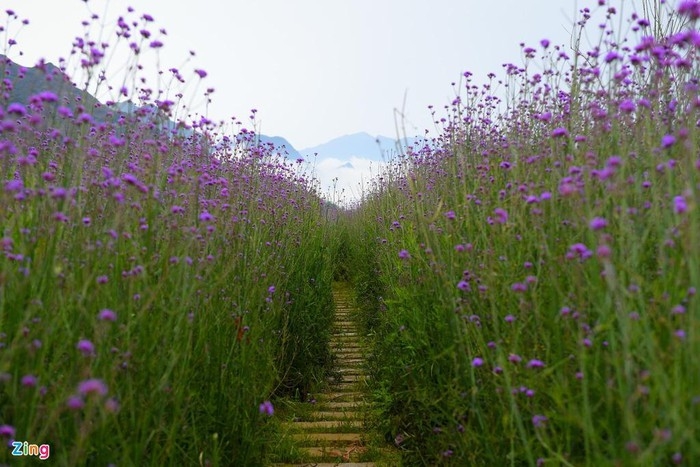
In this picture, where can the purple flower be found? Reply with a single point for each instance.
(464, 286)
(17, 109)
(514, 358)
(75, 403)
(538, 421)
(206, 217)
(509, 318)
(48, 96)
(627, 106)
(501, 215)
(112, 405)
(404, 254)
(667, 141)
(679, 205)
(14, 185)
(690, 8)
(271, 289)
(92, 385)
(544, 43)
(450, 215)
(477, 362)
(156, 44)
(29, 381)
(534, 363)
(107, 315)
(611, 56)
(598, 223)
(267, 408)
(102, 279)
(7, 431)
(580, 250)
(85, 347)
(559, 132)
(201, 73)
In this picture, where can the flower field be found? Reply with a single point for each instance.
(527, 278)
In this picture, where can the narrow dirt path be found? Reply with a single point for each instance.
(333, 434)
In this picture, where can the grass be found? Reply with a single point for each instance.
(186, 282)
(530, 275)
(527, 278)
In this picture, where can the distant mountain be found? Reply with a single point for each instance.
(29, 81)
(283, 146)
(364, 145)
(26, 82)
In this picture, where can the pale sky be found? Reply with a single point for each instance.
(318, 69)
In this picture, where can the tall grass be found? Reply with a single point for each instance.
(534, 268)
(159, 283)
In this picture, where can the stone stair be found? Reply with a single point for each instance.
(333, 433)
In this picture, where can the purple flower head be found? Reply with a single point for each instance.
(85, 347)
(534, 363)
(75, 403)
(598, 223)
(611, 56)
(464, 286)
(538, 421)
(201, 73)
(690, 8)
(14, 185)
(7, 431)
(667, 141)
(627, 106)
(112, 405)
(267, 408)
(93, 385)
(404, 254)
(477, 362)
(17, 109)
(514, 358)
(501, 215)
(29, 381)
(206, 217)
(48, 96)
(107, 315)
(580, 250)
(450, 215)
(271, 289)
(559, 132)
(544, 43)
(679, 205)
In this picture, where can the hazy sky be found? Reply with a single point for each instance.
(317, 69)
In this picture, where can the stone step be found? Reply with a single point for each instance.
(342, 405)
(350, 370)
(352, 378)
(320, 425)
(330, 453)
(335, 415)
(328, 438)
(344, 344)
(329, 464)
(350, 361)
(341, 396)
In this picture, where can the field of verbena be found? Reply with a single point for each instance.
(531, 275)
(155, 291)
